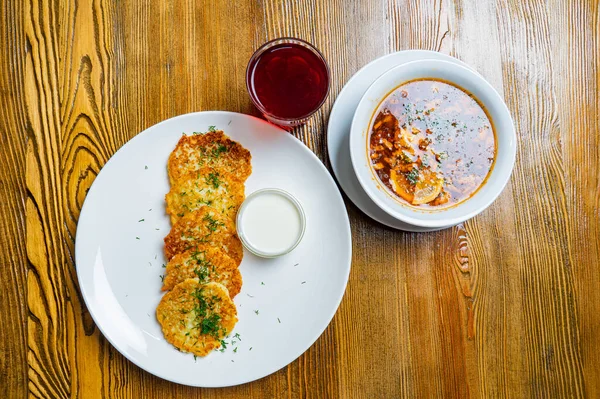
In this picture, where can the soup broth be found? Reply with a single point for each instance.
(431, 144)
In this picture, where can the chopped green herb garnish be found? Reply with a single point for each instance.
(218, 151)
(250, 349)
(235, 350)
(212, 128)
(145, 166)
(206, 321)
(304, 282)
(162, 277)
(203, 267)
(262, 283)
(137, 238)
(195, 357)
(213, 180)
(413, 176)
(212, 224)
(279, 320)
(256, 311)
(237, 336)
(141, 220)
(210, 325)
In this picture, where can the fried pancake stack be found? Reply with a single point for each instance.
(207, 174)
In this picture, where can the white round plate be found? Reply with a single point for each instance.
(285, 303)
(338, 131)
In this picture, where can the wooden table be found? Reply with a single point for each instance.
(506, 304)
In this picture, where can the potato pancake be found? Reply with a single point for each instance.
(213, 149)
(219, 190)
(195, 317)
(207, 264)
(204, 226)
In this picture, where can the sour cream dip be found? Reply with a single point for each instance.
(271, 222)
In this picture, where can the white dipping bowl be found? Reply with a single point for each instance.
(465, 79)
(270, 225)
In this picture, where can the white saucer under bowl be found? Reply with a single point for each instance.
(285, 303)
(338, 131)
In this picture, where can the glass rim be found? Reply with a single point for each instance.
(268, 45)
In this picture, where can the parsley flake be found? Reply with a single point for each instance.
(212, 224)
(218, 151)
(213, 180)
(413, 176)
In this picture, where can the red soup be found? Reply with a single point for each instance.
(431, 144)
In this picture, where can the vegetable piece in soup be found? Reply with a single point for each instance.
(431, 144)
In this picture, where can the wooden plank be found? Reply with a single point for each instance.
(575, 34)
(13, 257)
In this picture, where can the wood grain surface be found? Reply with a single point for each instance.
(504, 305)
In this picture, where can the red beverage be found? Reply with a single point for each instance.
(288, 80)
